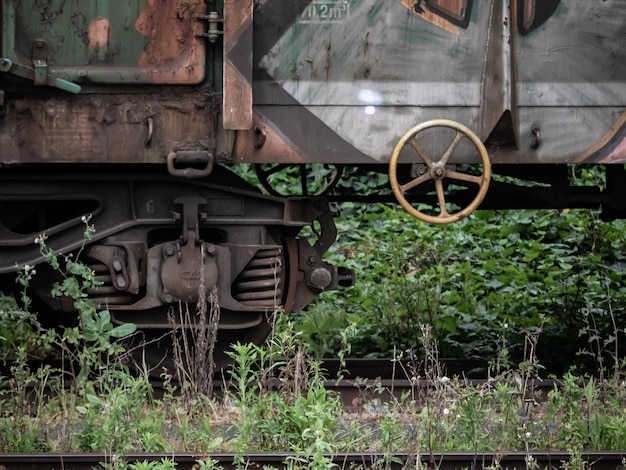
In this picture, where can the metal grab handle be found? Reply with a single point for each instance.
(148, 139)
(536, 131)
(189, 158)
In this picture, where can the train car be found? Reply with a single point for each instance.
(132, 113)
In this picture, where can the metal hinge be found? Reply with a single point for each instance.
(213, 32)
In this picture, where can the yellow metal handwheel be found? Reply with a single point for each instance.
(437, 170)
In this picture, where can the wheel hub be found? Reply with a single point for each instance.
(437, 171)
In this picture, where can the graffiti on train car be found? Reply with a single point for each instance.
(519, 73)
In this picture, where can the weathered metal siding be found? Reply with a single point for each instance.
(107, 41)
(342, 80)
(125, 128)
(325, 80)
(125, 70)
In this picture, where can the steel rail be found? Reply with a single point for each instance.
(366, 460)
(383, 379)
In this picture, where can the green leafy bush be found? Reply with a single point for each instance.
(480, 283)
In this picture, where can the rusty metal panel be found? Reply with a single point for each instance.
(103, 41)
(106, 128)
(238, 16)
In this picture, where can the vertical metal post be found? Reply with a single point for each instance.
(238, 15)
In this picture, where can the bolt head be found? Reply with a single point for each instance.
(321, 278)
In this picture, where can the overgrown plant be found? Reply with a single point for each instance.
(19, 432)
(92, 343)
(281, 402)
(90, 346)
(562, 271)
(194, 335)
(115, 421)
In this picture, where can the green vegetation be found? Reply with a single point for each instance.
(521, 290)
(482, 284)
(278, 403)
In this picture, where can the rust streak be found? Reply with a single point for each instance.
(172, 53)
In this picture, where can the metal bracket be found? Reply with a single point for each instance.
(214, 32)
(38, 73)
(238, 60)
(419, 169)
(191, 217)
(40, 64)
(5, 64)
(188, 263)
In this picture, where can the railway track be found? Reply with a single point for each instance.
(382, 379)
(353, 461)
(360, 377)
(385, 379)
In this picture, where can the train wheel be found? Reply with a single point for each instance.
(438, 170)
(163, 245)
(315, 180)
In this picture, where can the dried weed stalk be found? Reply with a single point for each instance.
(194, 336)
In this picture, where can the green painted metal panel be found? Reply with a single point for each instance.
(65, 42)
